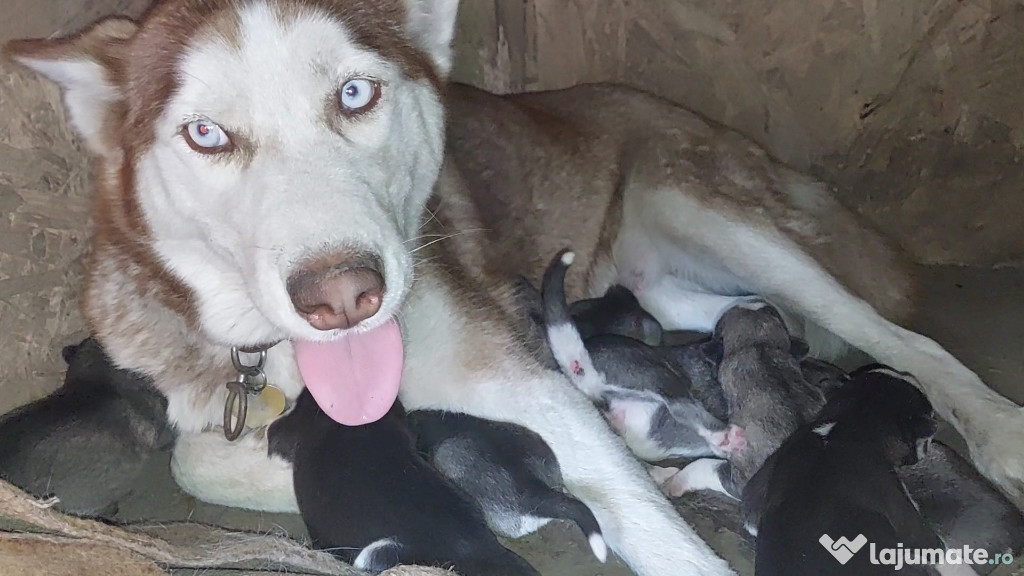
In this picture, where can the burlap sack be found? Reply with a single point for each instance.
(36, 540)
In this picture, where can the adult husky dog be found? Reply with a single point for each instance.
(275, 173)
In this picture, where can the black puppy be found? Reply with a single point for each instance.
(87, 442)
(366, 495)
(836, 478)
(616, 312)
(509, 471)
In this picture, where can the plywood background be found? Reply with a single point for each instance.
(913, 109)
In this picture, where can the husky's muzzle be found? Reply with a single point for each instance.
(339, 290)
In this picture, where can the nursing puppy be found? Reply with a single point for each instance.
(698, 361)
(961, 506)
(766, 392)
(510, 473)
(87, 442)
(836, 477)
(616, 312)
(367, 496)
(645, 400)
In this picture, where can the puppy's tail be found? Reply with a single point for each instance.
(563, 337)
(555, 504)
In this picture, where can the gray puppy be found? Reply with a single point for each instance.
(961, 506)
(766, 393)
(646, 400)
(697, 355)
(509, 471)
(87, 442)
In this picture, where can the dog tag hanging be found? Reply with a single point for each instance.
(251, 381)
(236, 408)
(265, 406)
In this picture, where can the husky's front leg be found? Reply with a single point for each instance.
(472, 366)
(240, 474)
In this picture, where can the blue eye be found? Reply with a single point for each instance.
(205, 136)
(359, 95)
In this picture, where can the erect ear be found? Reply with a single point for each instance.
(83, 67)
(431, 25)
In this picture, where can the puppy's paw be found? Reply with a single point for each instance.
(703, 474)
(731, 440)
(665, 477)
(735, 439)
(661, 473)
(616, 417)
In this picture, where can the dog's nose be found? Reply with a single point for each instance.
(339, 290)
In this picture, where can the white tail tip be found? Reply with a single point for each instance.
(598, 545)
(568, 257)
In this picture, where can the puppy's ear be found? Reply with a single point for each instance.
(799, 348)
(68, 353)
(431, 25)
(712, 351)
(86, 68)
(924, 426)
(838, 404)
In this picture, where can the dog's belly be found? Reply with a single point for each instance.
(577, 168)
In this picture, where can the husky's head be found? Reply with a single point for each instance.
(269, 160)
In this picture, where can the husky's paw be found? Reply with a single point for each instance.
(1000, 457)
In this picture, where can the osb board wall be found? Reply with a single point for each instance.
(913, 109)
(44, 181)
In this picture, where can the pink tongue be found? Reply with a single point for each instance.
(354, 379)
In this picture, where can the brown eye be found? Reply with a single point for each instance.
(206, 137)
(358, 95)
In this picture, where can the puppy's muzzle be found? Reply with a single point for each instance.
(339, 290)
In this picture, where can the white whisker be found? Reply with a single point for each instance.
(445, 237)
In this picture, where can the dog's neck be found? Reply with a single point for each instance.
(142, 314)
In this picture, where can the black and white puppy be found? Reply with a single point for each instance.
(367, 495)
(646, 400)
(87, 442)
(836, 478)
(509, 471)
